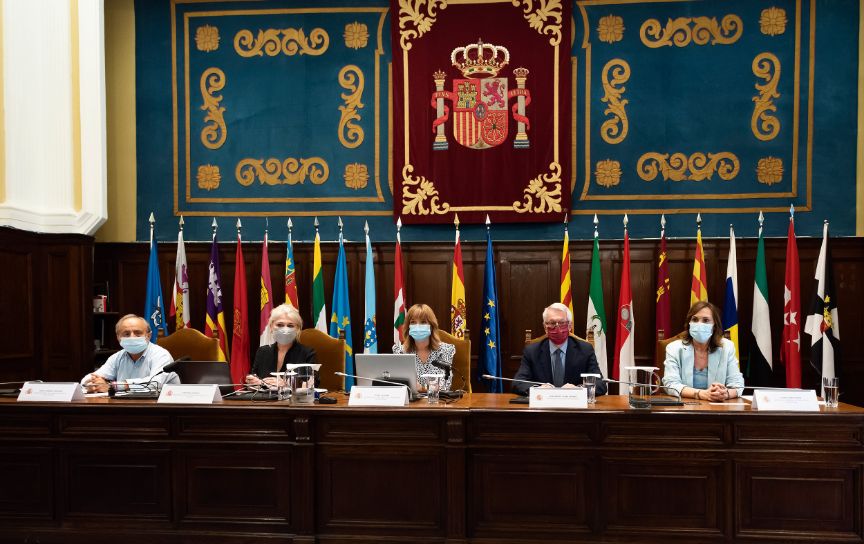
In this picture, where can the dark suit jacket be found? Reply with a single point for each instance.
(265, 358)
(537, 365)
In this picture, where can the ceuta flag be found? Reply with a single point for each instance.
(664, 313)
(458, 312)
(624, 334)
(240, 337)
(823, 323)
(566, 287)
(790, 351)
(266, 296)
(215, 320)
(399, 295)
(699, 284)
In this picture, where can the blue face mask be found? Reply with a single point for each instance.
(420, 331)
(701, 332)
(134, 344)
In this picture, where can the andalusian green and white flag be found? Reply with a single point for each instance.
(319, 312)
(760, 368)
(596, 313)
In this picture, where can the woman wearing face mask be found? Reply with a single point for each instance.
(284, 326)
(422, 340)
(703, 364)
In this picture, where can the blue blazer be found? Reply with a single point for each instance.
(536, 365)
(722, 366)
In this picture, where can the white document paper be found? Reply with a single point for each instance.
(50, 392)
(793, 400)
(189, 394)
(384, 395)
(557, 397)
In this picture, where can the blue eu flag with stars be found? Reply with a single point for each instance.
(490, 355)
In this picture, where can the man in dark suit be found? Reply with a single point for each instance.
(559, 360)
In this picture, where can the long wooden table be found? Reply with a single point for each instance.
(476, 470)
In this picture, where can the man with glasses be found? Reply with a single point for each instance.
(560, 359)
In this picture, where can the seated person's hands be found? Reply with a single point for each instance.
(252, 379)
(717, 392)
(546, 386)
(568, 386)
(274, 381)
(96, 384)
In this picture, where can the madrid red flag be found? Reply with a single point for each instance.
(790, 351)
(240, 339)
(624, 331)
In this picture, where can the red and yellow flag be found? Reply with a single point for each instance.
(458, 313)
(566, 289)
(699, 284)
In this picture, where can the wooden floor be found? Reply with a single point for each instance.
(477, 470)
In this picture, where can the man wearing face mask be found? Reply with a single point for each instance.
(136, 365)
(703, 364)
(560, 359)
(284, 326)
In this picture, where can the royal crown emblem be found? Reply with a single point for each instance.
(480, 119)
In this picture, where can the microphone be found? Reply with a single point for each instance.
(448, 369)
(489, 377)
(371, 379)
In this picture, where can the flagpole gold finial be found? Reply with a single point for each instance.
(456, 220)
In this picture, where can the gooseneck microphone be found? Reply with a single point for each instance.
(370, 379)
(490, 377)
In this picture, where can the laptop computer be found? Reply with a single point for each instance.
(206, 372)
(390, 367)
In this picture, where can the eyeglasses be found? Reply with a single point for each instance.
(555, 324)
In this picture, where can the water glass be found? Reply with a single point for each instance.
(831, 391)
(304, 386)
(589, 382)
(433, 387)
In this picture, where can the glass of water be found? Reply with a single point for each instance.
(589, 382)
(831, 389)
(433, 387)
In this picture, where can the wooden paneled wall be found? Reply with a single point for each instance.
(528, 279)
(46, 328)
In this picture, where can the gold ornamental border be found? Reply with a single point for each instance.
(418, 17)
(584, 196)
(378, 54)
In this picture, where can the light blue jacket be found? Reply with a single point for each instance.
(722, 366)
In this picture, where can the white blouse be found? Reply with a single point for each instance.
(444, 354)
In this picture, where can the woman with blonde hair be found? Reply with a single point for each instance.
(284, 328)
(421, 339)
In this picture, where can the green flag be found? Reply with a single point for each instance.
(596, 313)
(759, 368)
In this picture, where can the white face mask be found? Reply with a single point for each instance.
(701, 332)
(285, 335)
(134, 344)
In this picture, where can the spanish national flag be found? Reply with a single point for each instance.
(458, 313)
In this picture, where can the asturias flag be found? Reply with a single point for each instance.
(341, 318)
(153, 305)
(215, 320)
(490, 355)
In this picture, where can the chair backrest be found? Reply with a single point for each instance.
(190, 343)
(660, 355)
(330, 353)
(462, 358)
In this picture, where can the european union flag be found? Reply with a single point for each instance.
(490, 355)
(153, 306)
(340, 320)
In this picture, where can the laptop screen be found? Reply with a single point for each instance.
(387, 366)
(204, 372)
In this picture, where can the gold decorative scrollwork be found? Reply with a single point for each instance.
(414, 22)
(538, 18)
(356, 176)
(214, 132)
(543, 194)
(288, 172)
(608, 173)
(207, 38)
(416, 191)
(765, 126)
(356, 35)
(610, 29)
(611, 131)
(678, 167)
(679, 33)
(772, 21)
(292, 42)
(350, 133)
(769, 170)
(208, 177)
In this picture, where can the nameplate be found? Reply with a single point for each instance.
(189, 394)
(557, 397)
(383, 395)
(786, 401)
(50, 392)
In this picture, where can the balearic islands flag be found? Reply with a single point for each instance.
(624, 334)
(240, 335)
(823, 323)
(596, 311)
(730, 306)
(215, 320)
(790, 351)
(760, 369)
